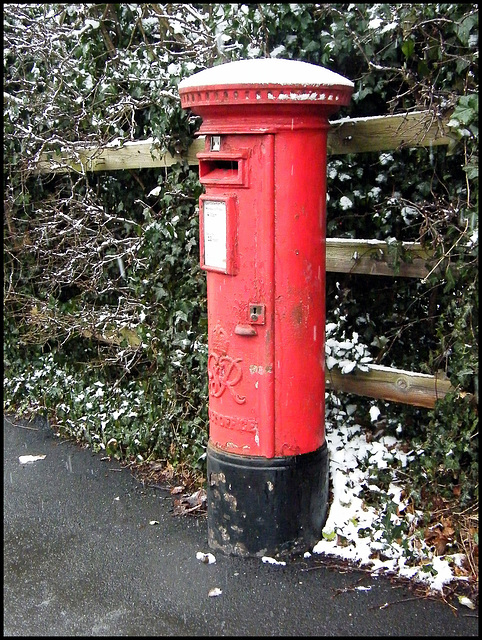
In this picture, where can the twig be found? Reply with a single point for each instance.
(24, 427)
(388, 604)
(424, 280)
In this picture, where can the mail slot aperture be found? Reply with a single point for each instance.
(225, 169)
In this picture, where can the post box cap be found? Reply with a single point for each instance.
(264, 94)
(265, 81)
(266, 71)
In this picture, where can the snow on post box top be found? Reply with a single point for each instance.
(265, 81)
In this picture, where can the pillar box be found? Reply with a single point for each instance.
(262, 244)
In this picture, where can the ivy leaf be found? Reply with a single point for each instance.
(467, 109)
(423, 68)
(465, 27)
(472, 171)
(180, 315)
(408, 47)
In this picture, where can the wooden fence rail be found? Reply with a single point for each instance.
(375, 258)
(349, 135)
(395, 385)
(369, 257)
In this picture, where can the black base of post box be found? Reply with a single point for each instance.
(266, 506)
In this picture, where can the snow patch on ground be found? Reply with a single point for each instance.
(383, 538)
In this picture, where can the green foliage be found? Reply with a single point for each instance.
(103, 294)
(449, 463)
(103, 279)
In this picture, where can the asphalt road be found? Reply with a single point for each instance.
(80, 558)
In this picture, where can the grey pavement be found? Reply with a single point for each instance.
(81, 559)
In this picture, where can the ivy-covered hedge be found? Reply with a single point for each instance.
(104, 300)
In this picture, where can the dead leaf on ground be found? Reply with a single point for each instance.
(440, 535)
(193, 503)
(178, 489)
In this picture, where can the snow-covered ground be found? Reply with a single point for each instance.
(381, 534)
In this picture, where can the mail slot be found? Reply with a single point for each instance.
(262, 245)
(226, 169)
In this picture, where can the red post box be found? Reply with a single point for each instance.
(262, 243)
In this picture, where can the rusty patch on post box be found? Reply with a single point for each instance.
(254, 368)
(297, 314)
(216, 478)
(290, 450)
(231, 500)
